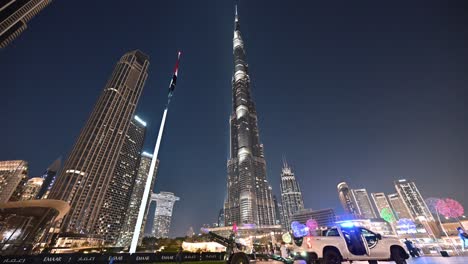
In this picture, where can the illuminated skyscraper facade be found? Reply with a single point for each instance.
(382, 204)
(14, 14)
(31, 188)
(291, 195)
(399, 207)
(346, 199)
(117, 197)
(13, 177)
(249, 196)
(135, 200)
(93, 172)
(413, 200)
(363, 203)
(163, 213)
(49, 179)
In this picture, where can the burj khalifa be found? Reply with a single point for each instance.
(249, 198)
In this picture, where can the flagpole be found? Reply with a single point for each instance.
(144, 199)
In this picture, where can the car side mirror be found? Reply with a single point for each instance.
(379, 236)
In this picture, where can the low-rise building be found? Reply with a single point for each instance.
(324, 217)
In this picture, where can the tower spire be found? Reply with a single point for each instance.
(236, 20)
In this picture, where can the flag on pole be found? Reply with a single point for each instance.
(173, 83)
(148, 187)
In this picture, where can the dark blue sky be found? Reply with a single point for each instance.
(362, 91)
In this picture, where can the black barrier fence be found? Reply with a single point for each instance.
(111, 258)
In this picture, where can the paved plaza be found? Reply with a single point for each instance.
(421, 260)
(429, 260)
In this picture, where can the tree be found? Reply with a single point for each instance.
(451, 209)
(387, 215)
(433, 204)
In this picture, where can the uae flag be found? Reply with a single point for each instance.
(174, 78)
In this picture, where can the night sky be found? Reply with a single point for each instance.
(363, 91)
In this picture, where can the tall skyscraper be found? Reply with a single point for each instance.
(163, 214)
(117, 197)
(135, 200)
(291, 195)
(93, 170)
(413, 200)
(49, 179)
(382, 204)
(346, 198)
(278, 211)
(13, 177)
(363, 203)
(399, 206)
(31, 188)
(14, 14)
(249, 196)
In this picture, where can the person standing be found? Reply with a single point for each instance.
(411, 248)
(463, 237)
(284, 250)
(179, 256)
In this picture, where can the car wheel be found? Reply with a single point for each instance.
(398, 256)
(239, 258)
(331, 257)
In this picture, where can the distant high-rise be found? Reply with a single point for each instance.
(31, 188)
(249, 196)
(382, 204)
(163, 214)
(117, 197)
(278, 211)
(49, 179)
(135, 200)
(92, 174)
(399, 206)
(221, 217)
(413, 200)
(13, 177)
(346, 198)
(14, 14)
(363, 203)
(291, 195)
